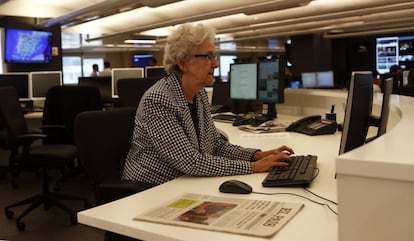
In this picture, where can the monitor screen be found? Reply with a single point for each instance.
(141, 60)
(124, 73)
(358, 111)
(28, 46)
(20, 81)
(243, 81)
(155, 72)
(41, 82)
(104, 84)
(309, 80)
(325, 79)
(270, 81)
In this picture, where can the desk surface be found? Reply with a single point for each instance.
(313, 222)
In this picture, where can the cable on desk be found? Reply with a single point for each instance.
(319, 196)
(294, 194)
(316, 173)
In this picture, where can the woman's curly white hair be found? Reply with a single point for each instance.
(182, 42)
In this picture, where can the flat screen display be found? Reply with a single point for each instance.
(141, 60)
(243, 81)
(155, 72)
(309, 80)
(325, 79)
(269, 82)
(395, 50)
(20, 81)
(124, 73)
(40, 83)
(28, 46)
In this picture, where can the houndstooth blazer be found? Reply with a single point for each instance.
(165, 144)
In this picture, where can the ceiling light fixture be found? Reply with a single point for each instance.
(140, 41)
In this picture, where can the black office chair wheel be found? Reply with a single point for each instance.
(20, 226)
(9, 214)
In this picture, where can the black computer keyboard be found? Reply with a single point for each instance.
(299, 173)
(228, 118)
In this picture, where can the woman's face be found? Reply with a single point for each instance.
(200, 68)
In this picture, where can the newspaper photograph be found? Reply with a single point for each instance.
(242, 216)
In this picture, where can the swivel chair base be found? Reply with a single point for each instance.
(48, 199)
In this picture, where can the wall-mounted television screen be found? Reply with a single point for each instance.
(28, 46)
(141, 60)
(396, 50)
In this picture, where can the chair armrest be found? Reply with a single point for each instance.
(30, 138)
(46, 127)
(112, 190)
(27, 140)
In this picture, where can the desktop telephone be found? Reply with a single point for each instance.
(313, 125)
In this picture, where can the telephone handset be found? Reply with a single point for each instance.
(313, 125)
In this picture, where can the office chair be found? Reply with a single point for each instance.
(62, 104)
(131, 90)
(103, 139)
(28, 155)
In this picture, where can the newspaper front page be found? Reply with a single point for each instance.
(235, 215)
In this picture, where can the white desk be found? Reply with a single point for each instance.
(314, 222)
(376, 183)
(375, 204)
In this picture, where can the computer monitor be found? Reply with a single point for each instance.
(243, 81)
(221, 95)
(155, 72)
(385, 108)
(40, 83)
(309, 80)
(124, 73)
(104, 84)
(358, 111)
(20, 81)
(270, 85)
(243, 87)
(325, 79)
(141, 60)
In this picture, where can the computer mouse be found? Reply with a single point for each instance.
(235, 186)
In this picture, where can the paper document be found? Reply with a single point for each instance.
(235, 215)
(265, 129)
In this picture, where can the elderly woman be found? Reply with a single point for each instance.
(174, 134)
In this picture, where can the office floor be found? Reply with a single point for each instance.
(41, 225)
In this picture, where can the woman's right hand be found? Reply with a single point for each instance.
(267, 163)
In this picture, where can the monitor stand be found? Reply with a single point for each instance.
(269, 111)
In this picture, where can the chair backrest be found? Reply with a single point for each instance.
(12, 118)
(131, 90)
(103, 139)
(63, 103)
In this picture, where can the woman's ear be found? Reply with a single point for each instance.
(182, 64)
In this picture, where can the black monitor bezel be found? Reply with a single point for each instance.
(358, 111)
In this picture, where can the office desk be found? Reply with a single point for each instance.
(313, 222)
(375, 204)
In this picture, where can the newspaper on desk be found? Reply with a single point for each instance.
(234, 215)
(278, 127)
